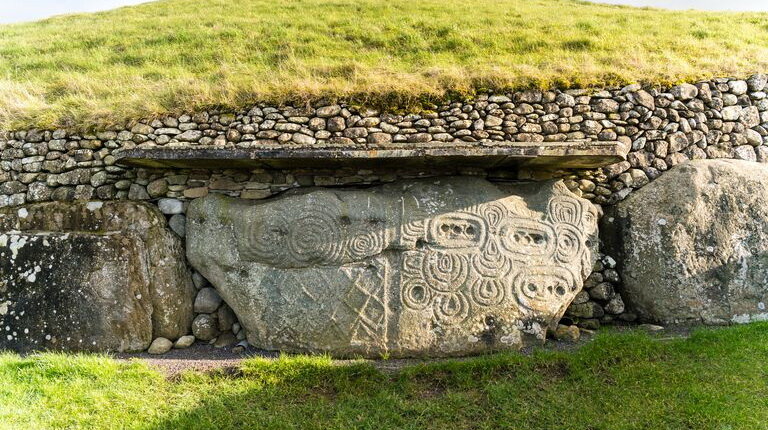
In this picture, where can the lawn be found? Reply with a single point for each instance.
(716, 379)
(93, 70)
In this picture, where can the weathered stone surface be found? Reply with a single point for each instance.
(572, 154)
(692, 245)
(433, 267)
(99, 276)
(160, 346)
(207, 301)
(204, 327)
(184, 342)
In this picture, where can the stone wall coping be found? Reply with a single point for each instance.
(545, 155)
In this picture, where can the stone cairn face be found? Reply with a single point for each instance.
(665, 127)
(437, 267)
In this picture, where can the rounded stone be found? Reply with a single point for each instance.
(328, 111)
(303, 139)
(379, 138)
(204, 327)
(199, 280)
(207, 301)
(137, 192)
(615, 306)
(603, 291)
(178, 224)
(567, 333)
(184, 342)
(738, 87)
(160, 346)
(224, 340)
(227, 318)
(157, 188)
(684, 91)
(170, 206)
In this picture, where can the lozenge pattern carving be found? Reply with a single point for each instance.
(364, 267)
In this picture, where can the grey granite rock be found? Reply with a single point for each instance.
(690, 245)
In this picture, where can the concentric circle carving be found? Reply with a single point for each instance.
(488, 291)
(416, 296)
(491, 261)
(362, 244)
(266, 241)
(565, 210)
(569, 243)
(315, 237)
(445, 271)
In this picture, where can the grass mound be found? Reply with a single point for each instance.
(180, 55)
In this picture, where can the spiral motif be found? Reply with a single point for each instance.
(266, 241)
(365, 244)
(569, 243)
(451, 308)
(445, 271)
(315, 238)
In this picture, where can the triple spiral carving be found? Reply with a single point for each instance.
(456, 264)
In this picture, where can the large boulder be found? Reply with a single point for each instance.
(90, 276)
(415, 268)
(692, 246)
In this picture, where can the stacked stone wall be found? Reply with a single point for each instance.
(720, 118)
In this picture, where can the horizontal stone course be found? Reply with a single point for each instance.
(720, 118)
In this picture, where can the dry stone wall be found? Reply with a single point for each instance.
(720, 118)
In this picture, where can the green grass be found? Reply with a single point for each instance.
(717, 379)
(179, 55)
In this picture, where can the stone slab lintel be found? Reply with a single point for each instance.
(544, 155)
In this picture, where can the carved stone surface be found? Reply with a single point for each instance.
(93, 276)
(692, 245)
(419, 268)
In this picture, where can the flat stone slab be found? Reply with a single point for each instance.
(90, 276)
(446, 266)
(581, 154)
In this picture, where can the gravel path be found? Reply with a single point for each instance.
(202, 357)
(199, 357)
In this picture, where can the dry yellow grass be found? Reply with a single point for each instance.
(170, 56)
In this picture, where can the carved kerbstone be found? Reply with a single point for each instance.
(415, 268)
